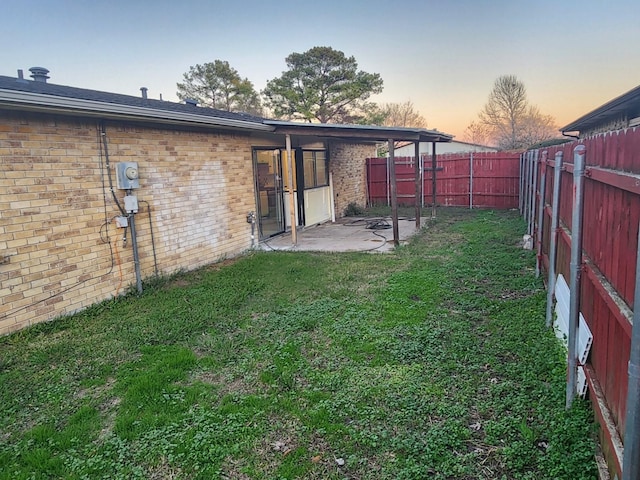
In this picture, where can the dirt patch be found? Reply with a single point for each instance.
(227, 385)
(163, 471)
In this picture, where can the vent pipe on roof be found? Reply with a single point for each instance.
(144, 92)
(21, 78)
(191, 101)
(39, 74)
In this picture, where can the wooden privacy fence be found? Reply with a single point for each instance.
(605, 270)
(471, 179)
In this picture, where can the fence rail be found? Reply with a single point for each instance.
(478, 179)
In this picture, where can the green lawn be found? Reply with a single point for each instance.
(429, 363)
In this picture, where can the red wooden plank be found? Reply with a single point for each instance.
(611, 436)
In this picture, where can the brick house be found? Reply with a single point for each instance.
(81, 168)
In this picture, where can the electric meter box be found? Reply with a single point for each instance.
(127, 175)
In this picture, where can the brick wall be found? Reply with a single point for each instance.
(347, 165)
(60, 251)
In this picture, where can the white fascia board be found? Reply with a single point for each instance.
(35, 100)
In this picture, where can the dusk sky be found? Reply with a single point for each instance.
(442, 55)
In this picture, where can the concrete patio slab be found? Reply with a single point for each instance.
(349, 234)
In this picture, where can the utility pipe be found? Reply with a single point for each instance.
(576, 269)
(631, 460)
(134, 245)
(541, 204)
(394, 193)
(292, 202)
(553, 236)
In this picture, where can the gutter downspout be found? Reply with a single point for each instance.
(576, 269)
(631, 459)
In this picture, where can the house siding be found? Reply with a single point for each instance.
(59, 247)
(347, 166)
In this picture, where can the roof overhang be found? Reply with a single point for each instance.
(627, 103)
(363, 133)
(15, 99)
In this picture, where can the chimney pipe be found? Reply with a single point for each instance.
(144, 92)
(39, 74)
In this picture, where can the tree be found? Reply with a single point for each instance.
(477, 133)
(402, 115)
(323, 85)
(507, 119)
(218, 85)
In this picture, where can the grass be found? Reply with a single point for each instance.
(431, 362)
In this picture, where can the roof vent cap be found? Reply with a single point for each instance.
(191, 101)
(39, 74)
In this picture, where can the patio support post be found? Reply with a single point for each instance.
(553, 234)
(631, 459)
(418, 173)
(292, 202)
(394, 192)
(576, 269)
(541, 204)
(433, 180)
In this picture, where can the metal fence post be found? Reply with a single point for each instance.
(525, 194)
(576, 269)
(631, 460)
(471, 181)
(388, 183)
(534, 188)
(521, 185)
(553, 236)
(541, 204)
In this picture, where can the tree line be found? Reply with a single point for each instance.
(325, 85)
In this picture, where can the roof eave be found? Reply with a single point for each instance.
(362, 132)
(57, 104)
(592, 118)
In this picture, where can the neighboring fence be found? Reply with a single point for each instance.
(478, 179)
(611, 214)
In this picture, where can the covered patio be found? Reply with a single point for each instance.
(293, 132)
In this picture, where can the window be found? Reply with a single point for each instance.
(316, 173)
